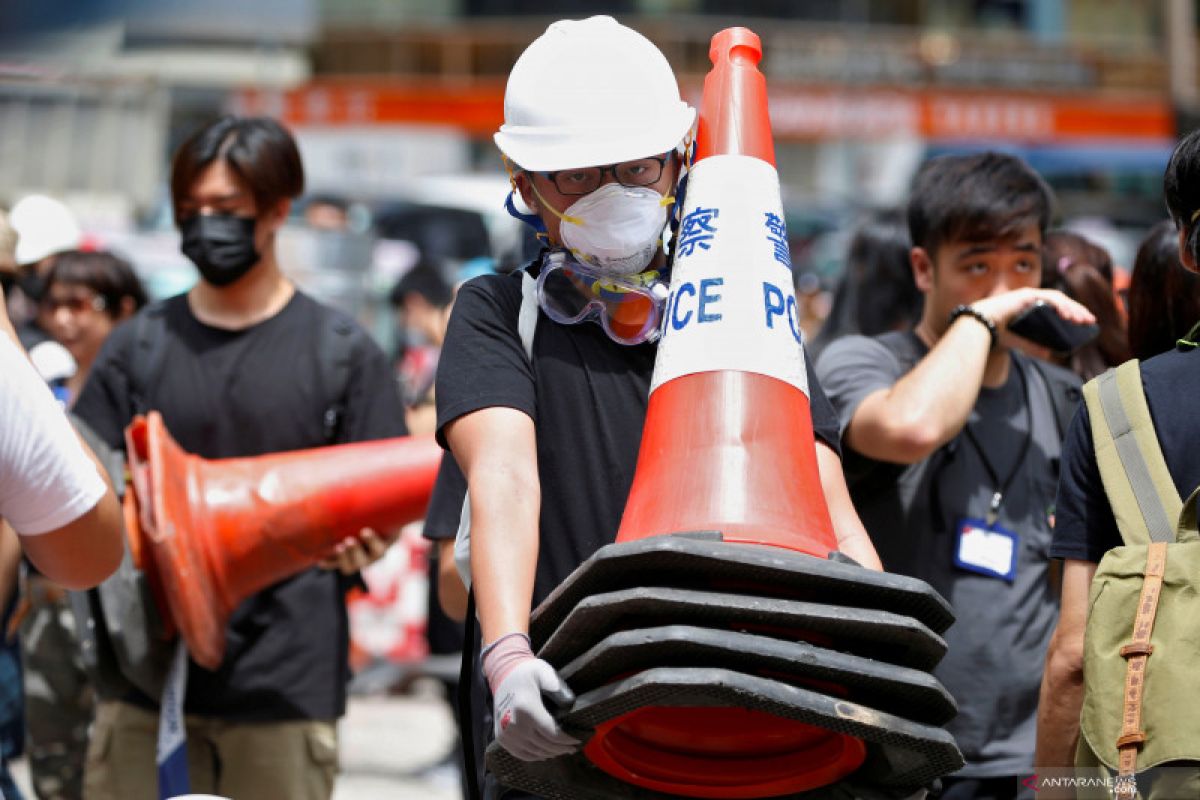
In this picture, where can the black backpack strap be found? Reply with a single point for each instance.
(149, 354)
(335, 350)
(1063, 395)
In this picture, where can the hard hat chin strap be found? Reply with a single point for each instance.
(532, 220)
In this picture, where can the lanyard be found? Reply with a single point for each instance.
(1001, 488)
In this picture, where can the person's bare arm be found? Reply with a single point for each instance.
(85, 551)
(908, 421)
(496, 448)
(10, 561)
(6, 326)
(1061, 696)
(927, 407)
(852, 537)
(451, 591)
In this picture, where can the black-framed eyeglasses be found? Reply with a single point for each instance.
(585, 180)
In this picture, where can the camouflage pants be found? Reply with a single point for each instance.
(58, 696)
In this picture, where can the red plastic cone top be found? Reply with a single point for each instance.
(733, 110)
(728, 443)
(209, 534)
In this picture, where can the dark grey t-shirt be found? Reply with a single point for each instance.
(996, 648)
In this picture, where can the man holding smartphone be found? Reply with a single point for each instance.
(952, 442)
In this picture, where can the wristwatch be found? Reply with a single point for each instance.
(982, 318)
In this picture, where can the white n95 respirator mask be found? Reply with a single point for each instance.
(615, 229)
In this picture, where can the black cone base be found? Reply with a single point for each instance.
(906, 692)
(901, 754)
(676, 561)
(880, 635)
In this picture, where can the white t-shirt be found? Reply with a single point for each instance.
(46, 479)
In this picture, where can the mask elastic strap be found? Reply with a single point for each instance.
(552, 209)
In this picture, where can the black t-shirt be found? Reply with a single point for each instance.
(227, 394)
(443, 634)
(445, 504)
(1085, 528)
(587, 396)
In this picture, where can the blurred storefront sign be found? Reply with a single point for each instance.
(797, 112)
(819, 114)
(472, 108)
(372, 160)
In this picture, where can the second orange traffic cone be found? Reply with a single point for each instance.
(209, 534)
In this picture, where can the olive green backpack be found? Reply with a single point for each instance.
(1141, 707)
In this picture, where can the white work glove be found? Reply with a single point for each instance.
(518, 679)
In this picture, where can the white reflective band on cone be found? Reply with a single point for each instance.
(732, 305)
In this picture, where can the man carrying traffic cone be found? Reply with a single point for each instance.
(242, 365)
(543, 384)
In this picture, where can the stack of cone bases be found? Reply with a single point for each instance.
(209, 534)
(722, 647)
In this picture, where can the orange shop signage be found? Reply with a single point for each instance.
(796, 112)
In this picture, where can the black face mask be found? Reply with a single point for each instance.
(220, 245)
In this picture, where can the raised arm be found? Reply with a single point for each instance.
(927, 407)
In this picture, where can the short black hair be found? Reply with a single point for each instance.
(976, 198)
(259, 150)
(425, 280)
(1181, 187)
(109, 276)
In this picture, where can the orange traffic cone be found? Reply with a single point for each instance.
(728, 443)
(209, 534)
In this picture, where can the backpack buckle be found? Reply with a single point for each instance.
(1136, 649)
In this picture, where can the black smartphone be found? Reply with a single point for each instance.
(1042, 325)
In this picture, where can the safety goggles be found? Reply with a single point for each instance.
(629, 308)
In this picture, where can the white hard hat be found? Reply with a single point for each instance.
(590, 92)
(52, 361)
(44, 227)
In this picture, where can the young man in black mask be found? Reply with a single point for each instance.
(241, 366)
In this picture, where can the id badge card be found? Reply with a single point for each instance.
(986, 549)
